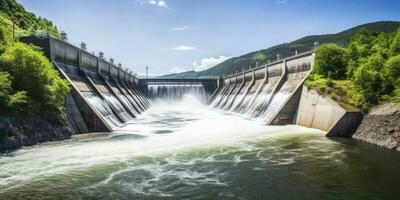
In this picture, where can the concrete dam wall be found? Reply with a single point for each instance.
(103, 96)
(274, 93)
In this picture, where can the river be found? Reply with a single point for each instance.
(186, 150)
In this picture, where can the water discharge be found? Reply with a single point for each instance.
(104, 109)
(187, 150)
(175, 91)
(118, 106)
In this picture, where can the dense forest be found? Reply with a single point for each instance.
(236, 64)
(29, 84)
(364, 73)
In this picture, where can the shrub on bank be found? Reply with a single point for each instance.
(35, 85)
(331, 61)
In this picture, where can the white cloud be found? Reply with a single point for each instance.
(175, 70)
(179, 28)
(159, 3)
(206, 63)
(162, 3)
(183, 48)
(281, 1)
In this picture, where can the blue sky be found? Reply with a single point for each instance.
(178, 35)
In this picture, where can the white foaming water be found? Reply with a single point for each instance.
(104, 109)
(219, 97)
(277, 102)
(259, 104)
(117, 105)
(239, 99)
(167, 127)
(172, 91)
(246, 103)
(127, 102)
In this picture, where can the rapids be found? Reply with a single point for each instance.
(183, 149)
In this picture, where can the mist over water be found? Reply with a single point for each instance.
(187, 150)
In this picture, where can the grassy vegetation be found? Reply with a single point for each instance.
(338, 90)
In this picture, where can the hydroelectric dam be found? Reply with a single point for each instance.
(256, 134)
(104, 96)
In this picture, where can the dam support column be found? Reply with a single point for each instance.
(252, 81)
(220, 86)
(257, 92)
(220, 96)
(227, 107)
(294, 78)
(228, 94)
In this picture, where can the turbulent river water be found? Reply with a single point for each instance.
(186, 150)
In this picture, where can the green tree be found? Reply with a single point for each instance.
(359, 49)
(395, 46)
(381, 45)
(331, 61)
(2, 34)
(34, 77)
(17, 102)
(5, 88)
(368, 80)
(391, 74)
(259, 57)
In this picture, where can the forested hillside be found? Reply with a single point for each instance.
(286, 49)
(24, 21)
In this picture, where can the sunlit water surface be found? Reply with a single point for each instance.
(186, 150)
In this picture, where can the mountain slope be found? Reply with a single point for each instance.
(286, 49)
(25, 22)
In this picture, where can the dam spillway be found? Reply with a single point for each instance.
(103, 96)
(263, 91)
(272, 93)
(175, 91)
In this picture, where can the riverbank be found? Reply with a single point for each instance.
(381, 126)
(17, 132)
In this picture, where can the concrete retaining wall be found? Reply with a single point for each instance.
(321, 112)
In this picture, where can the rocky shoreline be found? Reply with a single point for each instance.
(381, 126)
(17, 132)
